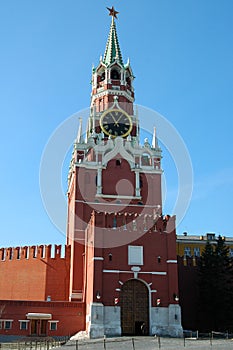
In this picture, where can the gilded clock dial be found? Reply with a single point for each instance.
(115, 123)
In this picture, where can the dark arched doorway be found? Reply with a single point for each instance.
(134, 302)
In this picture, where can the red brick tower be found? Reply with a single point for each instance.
(123, 250)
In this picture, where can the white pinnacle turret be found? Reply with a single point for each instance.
(154, 139)
(80, 132)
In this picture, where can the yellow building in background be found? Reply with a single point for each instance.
(192, 245)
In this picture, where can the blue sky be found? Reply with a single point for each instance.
(182, 56)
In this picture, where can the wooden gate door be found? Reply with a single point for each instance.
(134, 301)
(34, 327)
(43, 327)
(39, 327)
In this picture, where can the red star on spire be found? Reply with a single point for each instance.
(112, 12)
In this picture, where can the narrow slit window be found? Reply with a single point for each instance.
(114, 223)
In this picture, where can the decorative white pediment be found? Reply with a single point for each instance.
(101, 65)
(118, 149)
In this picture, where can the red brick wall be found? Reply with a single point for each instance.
(118, 173)
(155, 244)
(34, 275)
(58, 276)
(70, 315)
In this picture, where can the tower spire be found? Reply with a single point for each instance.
(112, 51)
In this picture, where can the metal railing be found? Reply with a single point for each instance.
(32, 344)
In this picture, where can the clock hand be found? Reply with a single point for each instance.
(115, 121)
(119, 119)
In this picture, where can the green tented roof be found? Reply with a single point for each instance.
(112, 51)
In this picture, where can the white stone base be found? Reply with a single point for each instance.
(106, 321)
(166, 321)
(112, 320)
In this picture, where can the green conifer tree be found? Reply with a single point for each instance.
(216, 287)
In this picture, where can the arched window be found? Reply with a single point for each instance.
(146, 159)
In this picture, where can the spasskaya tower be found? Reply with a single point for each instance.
(123, 249)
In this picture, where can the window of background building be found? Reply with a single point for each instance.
(23, 324)
(231, 252)
(210, 236)
(187, 251)
(196, 251)
(7, 324)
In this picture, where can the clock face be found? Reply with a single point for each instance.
(115, 123)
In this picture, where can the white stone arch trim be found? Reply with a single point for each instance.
(140, 280)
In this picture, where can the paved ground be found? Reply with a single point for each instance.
(148, 343)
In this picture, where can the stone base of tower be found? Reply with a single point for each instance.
(166, 321)
(104, 321)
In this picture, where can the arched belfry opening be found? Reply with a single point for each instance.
(134, 301)
(115, 75)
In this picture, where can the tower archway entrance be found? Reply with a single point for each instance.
(134, 300)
